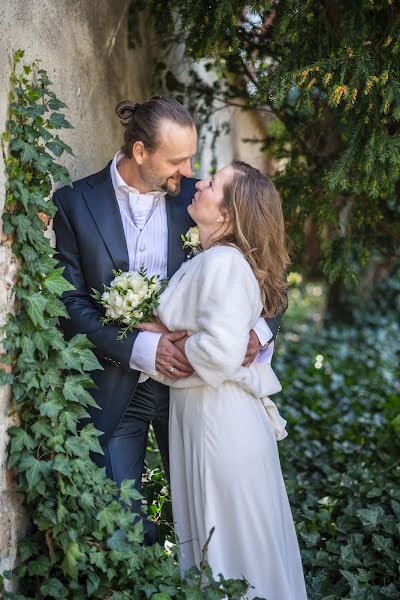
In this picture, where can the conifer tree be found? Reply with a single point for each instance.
(329, 71)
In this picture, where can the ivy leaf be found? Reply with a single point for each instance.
(55, 104)
(370, 517)
(43, 163)
(39, 566)
(129, 492)
(20, 439)
(73, 390)
(61, 175)
(107, 517)
(36, 305)
(58, 121)
(119, 542)
(89, 361)
(27, 151)
(54, 588)
(56, 283)
(98, 559)
(62, 464)
(50, 408)
(71, 558)
(34, 469)
(23, 193)
(57, 147)
(55, 308)
(89, 434)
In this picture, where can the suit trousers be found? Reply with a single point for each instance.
(125, 450)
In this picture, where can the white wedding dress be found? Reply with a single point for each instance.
(225, 470)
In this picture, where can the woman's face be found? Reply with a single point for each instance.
(206, 204)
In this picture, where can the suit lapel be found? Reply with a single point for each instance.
(178, 222)
(103, 206)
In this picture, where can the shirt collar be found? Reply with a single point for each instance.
(121, 185)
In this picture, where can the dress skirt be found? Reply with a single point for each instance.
(225, 473)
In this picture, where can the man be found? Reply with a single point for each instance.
(133, 212)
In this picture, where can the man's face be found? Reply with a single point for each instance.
(163, 168)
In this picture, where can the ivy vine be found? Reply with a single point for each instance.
(85, 542)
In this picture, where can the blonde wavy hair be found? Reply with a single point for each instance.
(256, 217)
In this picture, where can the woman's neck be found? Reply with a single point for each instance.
(209, 234)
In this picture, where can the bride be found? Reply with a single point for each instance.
(225, 470)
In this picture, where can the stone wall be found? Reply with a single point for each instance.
(83, 46)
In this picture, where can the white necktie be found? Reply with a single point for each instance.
(140, 206)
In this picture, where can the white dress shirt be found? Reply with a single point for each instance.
(144, 219)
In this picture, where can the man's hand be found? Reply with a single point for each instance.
(155, 326)
(169, 357)
(253, 348)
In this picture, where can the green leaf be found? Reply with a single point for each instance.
(129, 492)
(54, 588)
(34, 469)
(36, 305)
(89, 434)
(61, 175)
(57, 147)
(370, 517)
(71, 558)
(108, 516)
(39, 566)
(58, 121)
(55, 104)
(55, 308)
(119, 542)
(20, 439)
(27, 151)
(73, 389)
(56, 283)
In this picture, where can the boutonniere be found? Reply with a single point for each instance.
(191, 241)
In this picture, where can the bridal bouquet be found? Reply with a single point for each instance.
(130, 299)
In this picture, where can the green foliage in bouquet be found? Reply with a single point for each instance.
(83, 541)
(325, 79)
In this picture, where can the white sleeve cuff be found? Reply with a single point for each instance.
(263, 332)
(143, 357)
(265, 354)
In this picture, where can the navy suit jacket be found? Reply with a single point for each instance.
(90, 243)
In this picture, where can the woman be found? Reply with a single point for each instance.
(225, 470)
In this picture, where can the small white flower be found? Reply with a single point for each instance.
(191, 241)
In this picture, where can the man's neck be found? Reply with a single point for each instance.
(129, 173)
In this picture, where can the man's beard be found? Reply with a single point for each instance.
(172, 191)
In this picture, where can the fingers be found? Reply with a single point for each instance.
(176, 374)
(177, 335)
(154, 327)
(168, 356)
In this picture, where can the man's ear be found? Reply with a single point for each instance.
(138, 152)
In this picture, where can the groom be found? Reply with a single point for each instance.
(133, 212)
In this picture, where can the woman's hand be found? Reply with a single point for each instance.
(156, 326)
(181, 344)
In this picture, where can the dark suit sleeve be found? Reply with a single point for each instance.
(274, 323)
(84, 314)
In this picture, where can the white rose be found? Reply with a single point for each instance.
(115, 300)
(105, 297)
(138, 314)
(193, 236)
(121, 281)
